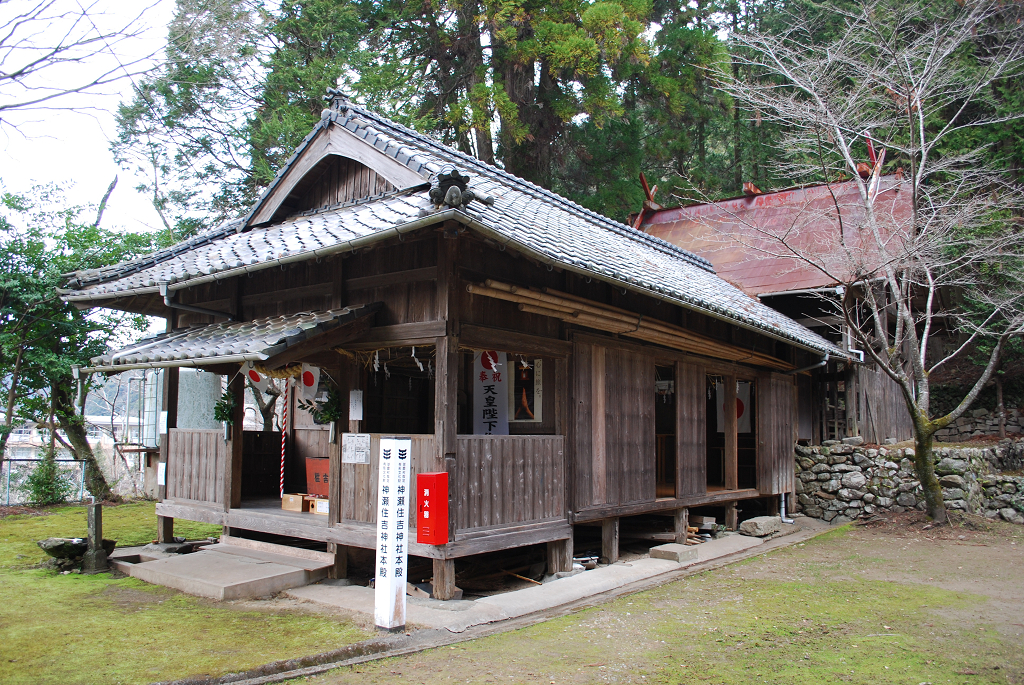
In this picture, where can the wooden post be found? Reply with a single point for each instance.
(443, 581)
(731, 516)
(680, 521)
(610, 539)
(731, 448)
(233, 463)
(340, 567)
(446, 386)
(169, 404)
(560, 556)
(599, 468)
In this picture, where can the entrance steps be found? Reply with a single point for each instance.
(235, 568)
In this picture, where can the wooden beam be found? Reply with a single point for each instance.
(446, 380)
(286, 294)
(327, 340)
(662, 505)
(339, 569)
(610, 540)
(169, 402)
(487, 338)
(427, 273)
(399, 335)
(731, 516)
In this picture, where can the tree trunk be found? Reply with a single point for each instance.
(1000, 407)
(73, 426)
(924, 464)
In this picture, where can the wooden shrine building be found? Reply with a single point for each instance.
(414, 273)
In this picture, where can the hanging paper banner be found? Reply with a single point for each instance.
(392, 530)
(490, 393)
(310, 381)
(742, 406)
(259, 380)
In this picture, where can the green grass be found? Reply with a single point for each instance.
(89, 629)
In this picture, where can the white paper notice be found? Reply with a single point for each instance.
(161, 473)
(355, 448)
(355, 405)
(392, 533)
(162, 429)
(490, 393)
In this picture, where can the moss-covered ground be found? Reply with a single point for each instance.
(900, 603)
(97, 629)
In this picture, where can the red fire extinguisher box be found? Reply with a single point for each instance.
(432, 508)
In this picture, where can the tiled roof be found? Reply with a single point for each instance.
(233, 341)
(550, 227)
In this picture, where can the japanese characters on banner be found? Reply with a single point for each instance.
(259, 380)
(392, 533)
(490, 393)
(309, 381)
(742, 406)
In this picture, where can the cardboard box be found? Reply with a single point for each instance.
(295, 502)
(319, 506)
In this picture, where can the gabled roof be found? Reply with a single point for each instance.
(736, 235)
(524, 216)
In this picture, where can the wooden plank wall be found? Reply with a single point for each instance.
(505, 480)
(629, 427)
(883, 411)
(776, 435)
(342, 180)
(367, 280)
(691, 429)
(615, 434)
(196, 462)
(359, 481)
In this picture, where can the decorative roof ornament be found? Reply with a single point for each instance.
(452, 190)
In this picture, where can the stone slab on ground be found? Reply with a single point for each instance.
(235, 573)
(761, 526)
(675, 552)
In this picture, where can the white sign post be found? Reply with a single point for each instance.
(392, 533)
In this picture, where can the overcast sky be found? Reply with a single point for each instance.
(72, 145)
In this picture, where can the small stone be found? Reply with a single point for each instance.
(860, 460)
(978, 413)
(890, 441)
(829, 515)
(909, 452)
(760, 526)
(1011, 515)
(816, 512)
(820, 468)
(842, 449)
(958, 504)
(869, 509)
(853, 480)
(906, 499)
(952, 481)
(824, 496)
(949, 466)
(804, 451)
(824, 476)
(807, 476)
(848, 495)
(953, 493)
(854, 440)
(834, 485)
(676, 552)
(805, 500)
(1009, 488)
(840, 520)
(868, 497)
(838, 459)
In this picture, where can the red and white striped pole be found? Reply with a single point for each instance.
(284, 431)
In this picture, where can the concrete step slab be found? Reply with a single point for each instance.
(222, 575)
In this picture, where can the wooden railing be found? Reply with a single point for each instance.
(196, 465)
(509, 479)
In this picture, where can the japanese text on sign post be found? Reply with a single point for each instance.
(490, 393)
(392, 533)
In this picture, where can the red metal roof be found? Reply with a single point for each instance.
(740, 237)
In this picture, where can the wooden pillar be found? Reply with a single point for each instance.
(443, 581)
(446, 383)
(680, 521)
(731, 516)
(169, 404)
(610, 539)
(731, 447)
(599, 464)
(233, 463)
(560, 556)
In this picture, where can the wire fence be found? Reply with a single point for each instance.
(15, 473)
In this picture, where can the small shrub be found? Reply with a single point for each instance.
(47, 484)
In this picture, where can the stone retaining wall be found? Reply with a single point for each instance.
(839, 481)
(982, 422)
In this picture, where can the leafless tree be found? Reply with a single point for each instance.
(887, 101)
(51, 49)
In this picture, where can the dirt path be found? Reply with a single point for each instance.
(891, 602)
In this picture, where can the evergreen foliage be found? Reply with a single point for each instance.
(47, 484)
